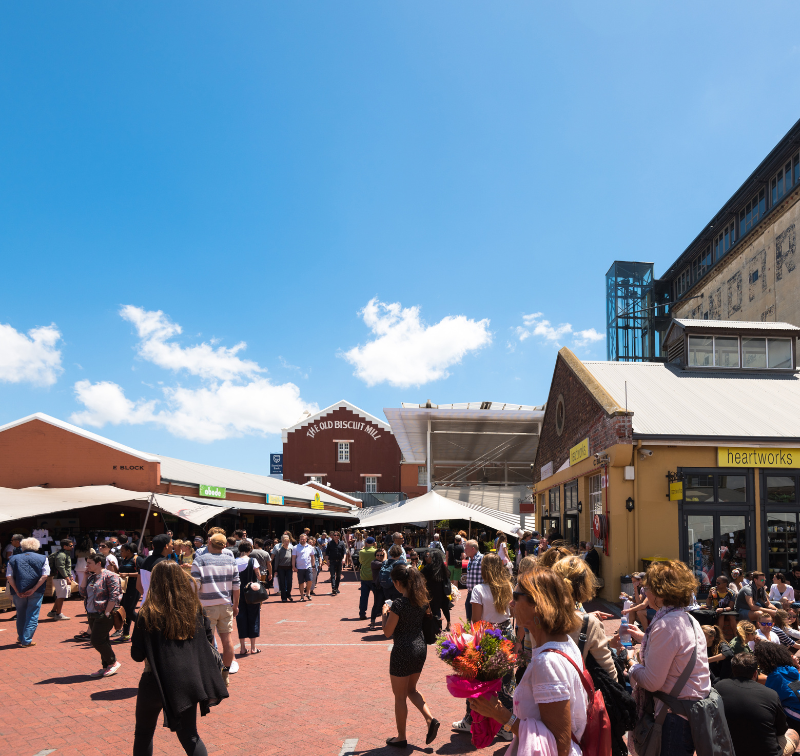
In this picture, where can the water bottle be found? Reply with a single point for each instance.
(624, 635)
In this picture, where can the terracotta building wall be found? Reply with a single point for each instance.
(409, 481)
(37, 453)
(312, 449)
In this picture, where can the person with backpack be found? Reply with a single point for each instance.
(557, 709)
(396, 554)
(436, 543)
(61, 570)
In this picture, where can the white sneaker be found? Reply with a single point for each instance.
(505, 734)
(99, 673)
(61, 616)
(234, 668)
(462, 726)
(112, 670)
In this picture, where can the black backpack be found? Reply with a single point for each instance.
(620, 705)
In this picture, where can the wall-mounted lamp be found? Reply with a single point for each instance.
(155, 514)
(580, 507)
(122, 514)
(629, 504)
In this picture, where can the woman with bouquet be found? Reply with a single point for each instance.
(403, 622)
(551, 692)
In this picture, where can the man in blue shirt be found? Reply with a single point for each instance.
(27, 574)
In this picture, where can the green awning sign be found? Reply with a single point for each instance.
(212, 492)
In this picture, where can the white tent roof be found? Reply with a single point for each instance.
(432, 506)
(17, 504)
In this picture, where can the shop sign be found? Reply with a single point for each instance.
(276, 464)
(275, 499)
(753, 457)
(547, 470)
(317, 503)
(579, 452)
(367, 428)
(676, 490)
(212, 492)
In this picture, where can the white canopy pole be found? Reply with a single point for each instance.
(141, 535)
(470, 528)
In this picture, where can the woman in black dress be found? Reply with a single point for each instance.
(402, 621)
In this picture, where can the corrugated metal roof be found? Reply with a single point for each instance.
(182, 471)
(476, 406)
(501, 498)
(286, 511)
(737, 325)
(668, 401)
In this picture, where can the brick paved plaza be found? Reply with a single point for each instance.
(320, 682)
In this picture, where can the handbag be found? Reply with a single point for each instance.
(254, 591)
(123, 584)
(647, 733)
(431, 627)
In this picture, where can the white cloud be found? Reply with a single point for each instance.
(232, 399)
(155, 328)
(30, 359)
(535, 325)
(407, 352)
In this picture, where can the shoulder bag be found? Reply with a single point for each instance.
(254, 591)
(647, 733)
(431, 627)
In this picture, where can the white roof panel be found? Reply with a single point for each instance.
(182, 471)
(736, 325)
(668, 401)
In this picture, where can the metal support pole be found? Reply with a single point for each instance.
(141, 535)
(428, 456)
(470, 528)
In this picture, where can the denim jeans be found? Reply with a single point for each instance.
(363, 604)
(27, 615)
(676, 737)
(468, 605)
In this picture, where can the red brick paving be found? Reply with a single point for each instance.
(290, 700)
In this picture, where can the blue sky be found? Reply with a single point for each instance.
(371, 196)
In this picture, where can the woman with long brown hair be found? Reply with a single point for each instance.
(491, 599)
(173, 638)
(402, 621)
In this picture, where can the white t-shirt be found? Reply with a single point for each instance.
(482, 594)
(304, 556)
(110, 558)
(242, 562)
(773, 638)
(550, 678)
(775, 594)
(502, 552)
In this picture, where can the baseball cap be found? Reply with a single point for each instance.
(218, 540)
(370, 539)
(198, 538)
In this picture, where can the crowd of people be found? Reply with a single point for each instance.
(683, 678)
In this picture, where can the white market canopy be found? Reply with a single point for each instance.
(18, 504)
(432, 506)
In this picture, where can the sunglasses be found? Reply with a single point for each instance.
(517, 595)
(765, 624)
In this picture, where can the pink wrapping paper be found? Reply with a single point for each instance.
(483, 729)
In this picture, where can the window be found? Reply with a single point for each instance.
(701, 352)
(571, 496)
(779, 353)
(422, 475)
(344, 451)
(370, 484)
(701, 264)
(724, 240)
(754, 353)
(751, 212)
(785, 179)
(780, 490)
(699, 488)
(555, 500)
(595, 502)
(714, 351)
(315, 479)
(732, 488)
(726, 351)
(683, 283)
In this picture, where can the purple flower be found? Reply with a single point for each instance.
(495, 633)
(449, 649)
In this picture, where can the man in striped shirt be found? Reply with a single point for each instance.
(473, 572)
(218, 576)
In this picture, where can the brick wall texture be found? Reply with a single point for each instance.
(583, 418)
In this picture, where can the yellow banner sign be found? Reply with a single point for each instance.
(676, 490)
(746, 457)
(275, 499)
(317, 503)
(579, 452)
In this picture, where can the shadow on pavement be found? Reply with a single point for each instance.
(114, 695)
(66, 680)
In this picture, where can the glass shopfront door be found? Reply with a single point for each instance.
(717, 525)
(780, 522)
(571, 529)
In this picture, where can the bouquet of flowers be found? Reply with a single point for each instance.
(480, 657)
